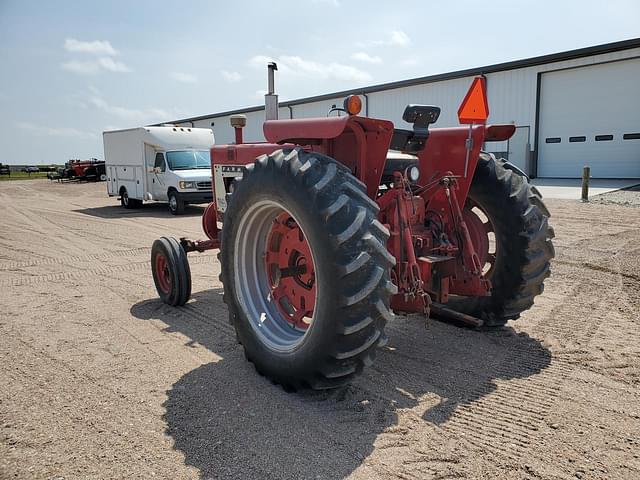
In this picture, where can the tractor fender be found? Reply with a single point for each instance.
(499, 133)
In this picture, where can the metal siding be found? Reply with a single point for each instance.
(512, 99)
(321, 109)
(589, 101)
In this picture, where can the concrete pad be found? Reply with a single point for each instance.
(571, 188)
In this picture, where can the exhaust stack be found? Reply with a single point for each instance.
(271, 98)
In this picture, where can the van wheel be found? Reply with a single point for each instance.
(127, 202)
(176, 204)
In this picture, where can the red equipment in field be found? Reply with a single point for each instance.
(86, 169)
(325, 230)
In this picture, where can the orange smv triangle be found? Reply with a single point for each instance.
(474, 107)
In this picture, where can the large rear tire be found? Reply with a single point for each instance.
(517, 257)
(305, 270)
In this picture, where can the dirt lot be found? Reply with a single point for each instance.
(98, 379)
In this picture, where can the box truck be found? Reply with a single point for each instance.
(164, 164)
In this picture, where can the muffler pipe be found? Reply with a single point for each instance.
(271, 99)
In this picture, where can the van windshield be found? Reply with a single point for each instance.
(188, 159)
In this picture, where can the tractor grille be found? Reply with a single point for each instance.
(203, 185)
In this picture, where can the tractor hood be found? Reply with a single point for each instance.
(303, 130)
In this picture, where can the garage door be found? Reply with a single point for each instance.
(590, 116)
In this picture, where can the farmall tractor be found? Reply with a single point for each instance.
(334, 224)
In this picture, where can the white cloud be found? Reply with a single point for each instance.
(129, 114)
(91, 67)
(84, 68)
(366, 58)
(259, 95)
(183, 77)
(396, 38)
(294, 65)
(261, 61)
(109, 64)
(399, 39)
(231, 77)
(410, 62)
(103, 52)
(96, 47)
(45, 131)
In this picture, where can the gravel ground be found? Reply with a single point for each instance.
(98, 379)
(628, 197)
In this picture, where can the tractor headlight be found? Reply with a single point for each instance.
(186, 185)
(413, 173)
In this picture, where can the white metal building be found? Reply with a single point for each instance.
(571, 109)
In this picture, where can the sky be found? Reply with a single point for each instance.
(72, 69)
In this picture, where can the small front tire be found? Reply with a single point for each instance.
(171, 272)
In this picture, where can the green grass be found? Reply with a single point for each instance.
(23, 176)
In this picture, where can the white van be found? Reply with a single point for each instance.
(167, 164)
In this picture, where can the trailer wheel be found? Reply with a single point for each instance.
(171, 272)
(176, 204)
(305, 270)
(508, 223)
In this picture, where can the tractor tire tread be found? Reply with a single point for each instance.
(524, 222)
(360, 259)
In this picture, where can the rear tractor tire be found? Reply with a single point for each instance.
(509, 226)
(171, 272)
(305, 270)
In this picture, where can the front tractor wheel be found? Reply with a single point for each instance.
(171, 272)
(508, 225)
(305, 270)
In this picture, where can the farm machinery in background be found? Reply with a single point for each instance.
(333, 224)
(90, 170)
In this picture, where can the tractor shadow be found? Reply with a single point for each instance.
(229, 422)
(153, 210)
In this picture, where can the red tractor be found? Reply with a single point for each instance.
(335, 223)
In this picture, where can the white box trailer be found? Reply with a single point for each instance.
(168, 164)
